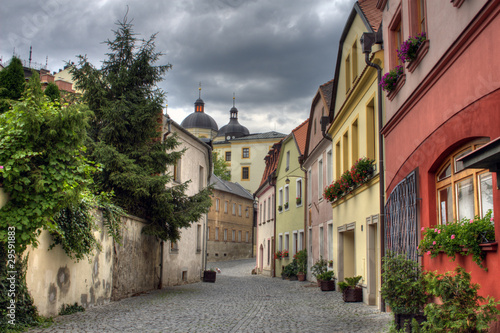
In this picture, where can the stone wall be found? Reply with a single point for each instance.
(136, 261)
(220, 251)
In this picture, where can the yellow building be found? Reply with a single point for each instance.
(356, 225)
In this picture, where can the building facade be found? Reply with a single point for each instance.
(318, 163)
(265, 197)
(230, 232)
(446, 105)
(356, 232)
(290, 235)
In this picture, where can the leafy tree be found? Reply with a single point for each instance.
(52, 92)
(126, 134)
(221, 167)
(11, 83)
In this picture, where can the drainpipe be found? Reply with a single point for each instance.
(367, 41)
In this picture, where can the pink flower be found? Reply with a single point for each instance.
(428, 253)
(1, 167)
(422, 229)
(435, 230)
(439, 231)
(491, 220)
(471, 220)
(434, 243)
(452, 236)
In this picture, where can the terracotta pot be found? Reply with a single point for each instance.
(301, 276)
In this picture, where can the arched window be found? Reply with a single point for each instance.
(463, 193)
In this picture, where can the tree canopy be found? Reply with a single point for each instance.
(11, 83)
(125, 134)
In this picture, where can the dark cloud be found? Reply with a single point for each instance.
(272, 54)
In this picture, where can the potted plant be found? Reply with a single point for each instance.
(301, 258)
(286, 205)
(362, 170)
(390, 79)
(280, 208)
(351, 292)
(346, 182)
(209, 275)
(290, 270)
(327, 281)
(333, 192)
(462, 309)
(284, 253)
(278, 255)
(403, 289)
(320, 266)
(298, 200)
(330, 263)
(409, 48)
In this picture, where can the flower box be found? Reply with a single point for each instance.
(421, 52)
(209, 276)
(399, 84)
(351, 294)
(327, 285)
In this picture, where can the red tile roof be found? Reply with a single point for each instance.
(300, 134)
(372, 14)
(326, 90)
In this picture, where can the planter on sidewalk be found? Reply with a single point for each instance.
(209, 276)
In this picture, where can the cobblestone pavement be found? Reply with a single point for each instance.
(236, 302)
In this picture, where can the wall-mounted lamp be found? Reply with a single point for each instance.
(287, 181)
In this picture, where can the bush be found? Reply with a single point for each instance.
(319, 267)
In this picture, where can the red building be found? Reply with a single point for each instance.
(445, 105)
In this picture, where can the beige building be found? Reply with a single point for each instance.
(230, 222)
(184, 260)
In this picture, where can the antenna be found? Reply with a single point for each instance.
(30, 56)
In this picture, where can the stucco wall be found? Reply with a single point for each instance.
(54, 279)
(265, 232)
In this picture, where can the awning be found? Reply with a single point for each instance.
(486, 157)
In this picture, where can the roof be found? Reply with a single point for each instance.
(233, 188)
(199, 120)
(258, 136)
(326, 90)
(372, 14)
(300, 135)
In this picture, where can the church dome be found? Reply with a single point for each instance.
(233, 129)
(199, 119)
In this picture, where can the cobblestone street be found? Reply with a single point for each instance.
(236, 302)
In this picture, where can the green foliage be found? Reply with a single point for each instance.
(326, 276)
(13, 287)
(414, 325)
(67, 309)
(11, 84)
(403, 286)
(320, 266)
(52, 92)
(463, 310)
(221, 168)
(350, 282)
(459, 237)
(44, 168)
(301, 258)
(291, 269)
(75, 230)
(125, 135)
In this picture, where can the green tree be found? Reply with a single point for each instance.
(221, 168)
(11, 83)
(126, 134)
(52, 92)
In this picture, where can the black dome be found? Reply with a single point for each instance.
(199, 120)
(234, 129)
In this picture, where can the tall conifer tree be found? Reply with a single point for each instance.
(125, 133)
(11, 83)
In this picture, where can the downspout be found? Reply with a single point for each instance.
(367, 41)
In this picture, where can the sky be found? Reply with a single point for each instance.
(272, 54)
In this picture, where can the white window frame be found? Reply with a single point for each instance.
(287, 196)
(329, 167)
(321, 182)
(287, 242)
(280, 242)
(298, 191)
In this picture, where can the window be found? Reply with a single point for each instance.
(354, 141)
(287, 161)
(177, 171)
(329, 167)
(269, 217)
(294, 242)
(234, 209)
(216, 233)
(354, 60)
(301, 239)
(395, 38)
(287, 241)
(348, 73)
(201, 178)
(225, 206)
(345, 151)
(247, 212)
(239, 210)
(463, 193)
(246, 236)
(234, 235)
(330, 241)
(287, 195)
(225, 235)
(217, 204)
(309, 187)
(228, 156)
(239, 235)
(370, 129)
(298, 187)
(337, 160)
(280, 242)
(245, 173)
(208, 233)
(198, 238)
(260, 213)
(320, 179)
(280, 197)
(174, 247)
(245, 152)
(417, 16)
(264, 213)
(321, 245)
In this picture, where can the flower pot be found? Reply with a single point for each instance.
(209, 276)
(352, 294)
(328, 285)
(301, 276)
